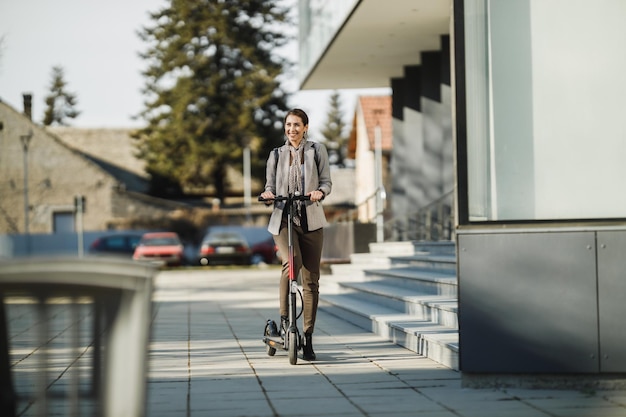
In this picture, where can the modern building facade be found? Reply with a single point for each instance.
(403, 45)
(518, 107)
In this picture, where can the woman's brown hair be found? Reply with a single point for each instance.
(300, 113)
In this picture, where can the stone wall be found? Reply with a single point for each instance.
(56, 173)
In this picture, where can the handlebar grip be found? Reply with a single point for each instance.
(286, 198)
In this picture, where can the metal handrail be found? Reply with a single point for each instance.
(432, 222)
(352, 214)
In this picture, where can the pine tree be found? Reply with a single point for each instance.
(333, 131)
(212, 87)
(60, 104)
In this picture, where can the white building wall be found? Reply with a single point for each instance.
(400, 202)
(411, 155)
(448, 172)
(432, 168)
(365, 171)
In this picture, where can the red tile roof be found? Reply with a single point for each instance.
(375, 109)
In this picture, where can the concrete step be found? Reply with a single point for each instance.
(434, 308)
(364, 261)
(370, 259)
(360, 262)
(408, 247)
(405, 292)
(424, 280)
(438, 343)
(392, 248)
(421, 336)
(442, 262)
(443, 247)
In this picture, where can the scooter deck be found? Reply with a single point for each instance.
(276, 342)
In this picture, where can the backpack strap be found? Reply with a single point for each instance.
(316, 146)
(275, 159)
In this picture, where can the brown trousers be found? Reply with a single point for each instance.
(307, 249)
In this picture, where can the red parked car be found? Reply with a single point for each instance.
(265, 251)
(160, 247)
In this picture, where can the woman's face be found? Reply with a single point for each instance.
(294, 129)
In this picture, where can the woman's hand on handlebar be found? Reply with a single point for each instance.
(267, 197)
(316, 195)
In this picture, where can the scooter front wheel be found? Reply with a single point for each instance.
(268, 333)
(293, 348)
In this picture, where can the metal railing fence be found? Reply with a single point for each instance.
(432, 222)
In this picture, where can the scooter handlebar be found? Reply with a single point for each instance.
(286, 198)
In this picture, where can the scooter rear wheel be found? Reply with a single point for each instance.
(293, 348)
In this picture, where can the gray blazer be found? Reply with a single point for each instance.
(316, 177)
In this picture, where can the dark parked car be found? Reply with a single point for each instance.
(160, 247)
(224, 247)
(265, 251)
(122, 244)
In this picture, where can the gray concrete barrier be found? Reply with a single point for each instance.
(118, 295)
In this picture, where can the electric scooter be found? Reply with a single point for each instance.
(288, 339)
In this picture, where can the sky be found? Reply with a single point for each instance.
(96, 44)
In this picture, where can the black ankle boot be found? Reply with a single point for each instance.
(307, 349)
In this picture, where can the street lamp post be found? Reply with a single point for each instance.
(79, 209)
(25, 139)
(247, 182)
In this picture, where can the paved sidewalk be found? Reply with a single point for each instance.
(207, 359)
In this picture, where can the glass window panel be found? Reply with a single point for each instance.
(546, 111)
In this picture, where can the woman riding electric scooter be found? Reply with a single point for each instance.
(299, 167)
